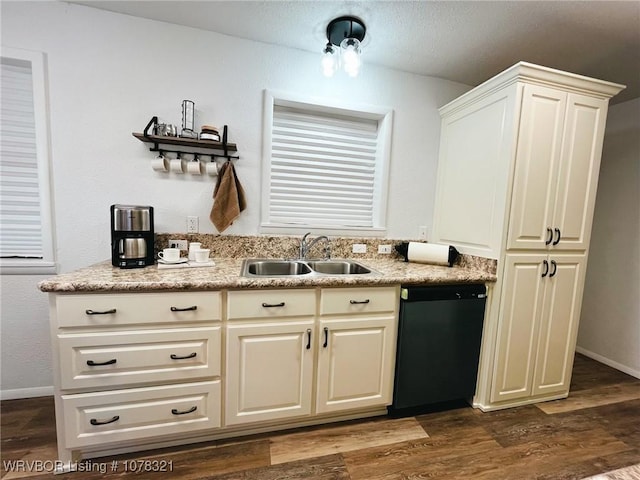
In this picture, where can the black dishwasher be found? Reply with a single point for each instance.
(439, 334)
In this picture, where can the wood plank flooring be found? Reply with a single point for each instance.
(595, 431)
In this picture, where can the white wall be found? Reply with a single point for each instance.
(610, 322)
(110, 73)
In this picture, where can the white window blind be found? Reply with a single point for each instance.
(19, 196)
(323, 169)
(25, 223)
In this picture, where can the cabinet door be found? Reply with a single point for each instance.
(518, 325)
(269, 371)
(537, 158)
(355, 363)
(559, 324)
(578, 173)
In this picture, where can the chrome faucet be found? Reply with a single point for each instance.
(305, 247)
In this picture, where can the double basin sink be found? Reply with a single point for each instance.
(278, 268)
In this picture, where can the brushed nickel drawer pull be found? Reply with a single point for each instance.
(359, 302)
(105, 312)
(271, 305)
(186, 309)
(91, 363)
(176, 357)
(95, 421)
(177, 412)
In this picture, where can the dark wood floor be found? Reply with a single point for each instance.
(595, 430)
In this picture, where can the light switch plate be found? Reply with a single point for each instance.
(359, 248)
(386, 249)
(181, 244)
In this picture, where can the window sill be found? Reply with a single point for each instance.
(27, 267)
(271, 228)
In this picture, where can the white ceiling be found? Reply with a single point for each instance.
(462, 41)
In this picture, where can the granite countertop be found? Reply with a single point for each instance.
(102, 277)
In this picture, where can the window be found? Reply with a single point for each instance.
(325, 167)
(26, 240)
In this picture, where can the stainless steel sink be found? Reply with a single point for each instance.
(270, 268)
(339, 267)
(265, 267)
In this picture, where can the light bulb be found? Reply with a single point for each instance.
(329, 60)
(351, 60)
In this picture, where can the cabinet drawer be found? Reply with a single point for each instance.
(358, 300)
(111, 309)
(99, 418)
(271, 303)
(124, 358)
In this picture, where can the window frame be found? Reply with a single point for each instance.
(46, 264)
(384, 117)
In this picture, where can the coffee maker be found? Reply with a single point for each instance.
(132, 236)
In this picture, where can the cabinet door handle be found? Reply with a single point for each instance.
(178, 412)
(103, 312)
(272, 305)
(91, 363)
(549, 236)
(308, 338)
(558, 235)
(359, 302)
(555, 268)
(326, 337)
(176, 357)
(186, 309)
(95, 421)
(546, 268)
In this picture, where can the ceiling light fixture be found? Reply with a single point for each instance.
(346, 33)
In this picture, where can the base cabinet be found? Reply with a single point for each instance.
(269, 371)
(137, 370)
(538, 324)
(280, 358)
(353, 364)
(356, 357)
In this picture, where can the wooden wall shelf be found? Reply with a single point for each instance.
(184, 142)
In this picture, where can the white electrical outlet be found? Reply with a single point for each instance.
(192, 224)
(422, 232)
(386, 249)
(181, 244)
(359, 248)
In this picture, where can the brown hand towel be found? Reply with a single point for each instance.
(228, 198)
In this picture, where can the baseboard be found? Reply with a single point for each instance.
(26, 393)
(609, 362)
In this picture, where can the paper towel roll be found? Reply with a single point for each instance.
(428, 253)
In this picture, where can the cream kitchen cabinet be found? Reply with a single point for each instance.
(538, 325)
(556, 165)
(281, 355)
(356, 348)
(134, 366)
(270, 357)
(144, 370)
(517, 178)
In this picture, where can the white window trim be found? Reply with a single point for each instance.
(47, 264)
(384, 115)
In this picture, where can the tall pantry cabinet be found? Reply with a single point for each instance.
(517, 177)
